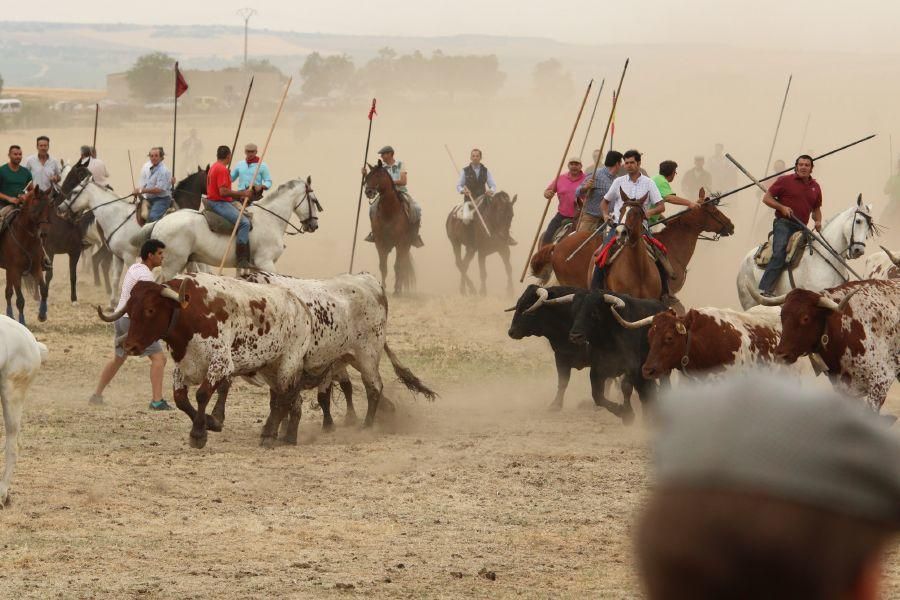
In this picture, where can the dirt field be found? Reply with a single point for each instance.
(481, 494)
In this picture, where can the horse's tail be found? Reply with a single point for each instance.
(407, 377)
(540, 262)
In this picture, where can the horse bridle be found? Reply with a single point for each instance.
(307, 197)
(718, 235)
(853, 242)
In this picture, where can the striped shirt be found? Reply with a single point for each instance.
(136, 272)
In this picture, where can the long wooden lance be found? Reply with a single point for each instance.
(468, 193)
(96, 120)
(262, 157)
(803, 137)
(718, 198)
(555, 180)
(591, 122)
(597, 232)
(824, 243)
(131, 170)
(237, 133)
(612, 114)
(372, 114)
(772, 148)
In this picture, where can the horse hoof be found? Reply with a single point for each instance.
(213, 424)
(268, 441)
(328, 427)
(197, 442)
(350, 419)
(555, 407)
(627, 416)
(74, 302)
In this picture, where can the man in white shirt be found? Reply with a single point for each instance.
(152, 255)
(45, 170)
(96, 166)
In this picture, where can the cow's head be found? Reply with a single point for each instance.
(668, 338)
(804, 317)
(528, 318)
(153, 310)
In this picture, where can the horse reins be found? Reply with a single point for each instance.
(306, 198)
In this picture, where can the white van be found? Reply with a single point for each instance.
(10, 105)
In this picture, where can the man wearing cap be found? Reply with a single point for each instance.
(96, 166)
(764, 489)
(598, 184)
(156, 185)
(696, 178)
(398, 174)
(44, 169)
(564, 188)
(243, 172)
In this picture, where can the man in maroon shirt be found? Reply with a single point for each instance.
(794, 198)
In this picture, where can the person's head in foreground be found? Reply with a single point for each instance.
(766, 490)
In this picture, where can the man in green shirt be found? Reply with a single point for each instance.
(14, 179)
(667, 172)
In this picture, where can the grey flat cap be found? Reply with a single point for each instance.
(760, 434)
(386, 149)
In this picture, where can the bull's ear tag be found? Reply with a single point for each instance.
(680, 328)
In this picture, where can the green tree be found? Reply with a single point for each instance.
(262, 65)
(323, 75)
(550, 81)
(152, 77)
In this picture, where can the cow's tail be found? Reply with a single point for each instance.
(540, 262)
(409, 379)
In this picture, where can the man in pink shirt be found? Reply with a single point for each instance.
(563, 187)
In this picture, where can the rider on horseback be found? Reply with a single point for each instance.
(635, 186)
(475, 181)
(14, 179)
(243, 172)
(156, 182)
(598, 183)
(398, 174)
(794, 197)
(93, 164)
(563, 187)
(220, 196)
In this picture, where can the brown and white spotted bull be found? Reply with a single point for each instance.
(884, 265)
(854, 328)
(349, 322)
(710, 341)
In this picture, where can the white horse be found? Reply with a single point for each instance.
(188, 238)
(115, 216)
(846, 232)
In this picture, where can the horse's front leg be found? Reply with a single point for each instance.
(9, 293)
(73, 276)
(382, 263)
(466, 261)
(504, 255)
(16, 281)
(44, 291)
(482, 272)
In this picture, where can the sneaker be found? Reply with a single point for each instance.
(96, 399)
(370, 237)
(160, 405)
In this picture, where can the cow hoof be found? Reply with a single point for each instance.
(328, 427)
(42, 318)
(350, 418)
(197, 441)
(555, 407)
(627, 416)
(5, 499)
(74, 302)
(213, 424)
(268, 442)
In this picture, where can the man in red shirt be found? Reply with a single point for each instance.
(220, 196)
(794, 197)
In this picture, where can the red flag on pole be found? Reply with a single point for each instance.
(181, 85)
(372, 111)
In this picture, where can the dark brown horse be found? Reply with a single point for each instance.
(188, 191)
(22, 251)
(497, 212)
(391, 228)
(680, 237)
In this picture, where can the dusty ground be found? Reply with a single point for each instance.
(111, 502)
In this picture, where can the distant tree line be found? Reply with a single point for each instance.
(392, 74)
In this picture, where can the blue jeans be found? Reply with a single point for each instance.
(226, 210)
(782, 230)
(158, 207)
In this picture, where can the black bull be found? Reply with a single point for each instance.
(583, 332)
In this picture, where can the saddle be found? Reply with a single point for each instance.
(219, 224)
(465, 212)
(567, 227)
(608, 253)
(143, 211)
(796, 245)
(7, 215)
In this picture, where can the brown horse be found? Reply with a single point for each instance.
(497, 212)
(679, 236)
(22, 251)
(391, 228)
(634, 271)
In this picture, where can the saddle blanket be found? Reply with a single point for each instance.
(603, 257)
(795, 247)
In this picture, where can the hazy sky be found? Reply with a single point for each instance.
(863, 25)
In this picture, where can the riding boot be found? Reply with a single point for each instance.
(370, 237)
(417, 239)
(663, 261)
(243, 256)
(665, 296)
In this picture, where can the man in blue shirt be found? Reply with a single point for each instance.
(599, 183)
(156, 185)
(243, 171)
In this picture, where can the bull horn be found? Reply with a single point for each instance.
(510, 309)
(614, 301)
(167, 292)
(542, 295)
(630, 324)
(110, 318)
(836, 306)
(894, 259)
(567, 299)
(773, 301)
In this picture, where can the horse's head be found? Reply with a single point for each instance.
(711, 219)
(195, 182)
(36, 207)
(858, 226)
(501, 212)
(308, 208)
(72, 189)
(378, 180)
(631, 220)
(72, 177)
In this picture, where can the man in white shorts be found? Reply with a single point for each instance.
(152, 254)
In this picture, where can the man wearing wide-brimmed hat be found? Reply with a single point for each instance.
(398, 173)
